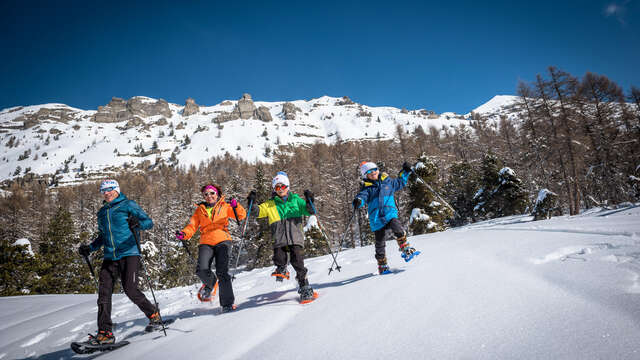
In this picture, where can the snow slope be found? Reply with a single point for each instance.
(510, 288)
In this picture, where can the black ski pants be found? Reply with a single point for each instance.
(398, 232)
(297, 260)
(127, 268)
(220, 253)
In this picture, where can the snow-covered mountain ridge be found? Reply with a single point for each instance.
(79, 144)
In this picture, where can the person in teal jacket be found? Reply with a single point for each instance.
(377, 192)
(118, 218)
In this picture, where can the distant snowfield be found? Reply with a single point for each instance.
(80, 143)
(510, 288)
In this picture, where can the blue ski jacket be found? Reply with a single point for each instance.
(378, 195)
(113, 228)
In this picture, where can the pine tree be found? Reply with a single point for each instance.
(546, 205)
(261, 245)
(509, 196)
(483, 206)
(17, 269)
(61, 269)
(428, 214)
(460, 188)
(314, 243)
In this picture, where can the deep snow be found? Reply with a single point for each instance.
(510, 288)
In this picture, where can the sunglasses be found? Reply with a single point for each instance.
(106, 190)
(280, 187)
(371, 170)
(209, 193)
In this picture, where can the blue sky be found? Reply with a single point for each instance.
(442, 56)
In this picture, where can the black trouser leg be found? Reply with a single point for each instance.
(380, 246)
(398, 230)
(129, 277)
(205, 258)
(280, 257)
(222, 252)
(297, 261)
(105, 289)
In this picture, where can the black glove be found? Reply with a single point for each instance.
(406, 167)
(84, 250)
(308, 195)
(252, 196)
(180, 235)
(356, 203)
(134, 223)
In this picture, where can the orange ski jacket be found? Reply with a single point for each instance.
(214, 229)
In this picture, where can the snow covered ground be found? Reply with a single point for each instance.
(510, 288)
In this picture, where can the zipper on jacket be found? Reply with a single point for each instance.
(110, 233)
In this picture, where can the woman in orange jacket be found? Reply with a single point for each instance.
(212, 219)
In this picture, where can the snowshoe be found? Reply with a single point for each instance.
(102, 341)
(384, 269)
(87, 348)
(206, 295)
(408, 252)
(156, 325)
(280, 274)
(307, 294)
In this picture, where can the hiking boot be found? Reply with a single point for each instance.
(408, 252)
(384, 269)
(103, 337)
(402, 240)
(228, 308)
(154, 319)
(280, 274)
(306, 293)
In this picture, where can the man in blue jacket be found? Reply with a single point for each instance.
(117, 219)
(377, 192)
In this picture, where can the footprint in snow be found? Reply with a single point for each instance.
(36, 339)
(81, 326)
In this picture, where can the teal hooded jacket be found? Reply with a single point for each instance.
(113, 228)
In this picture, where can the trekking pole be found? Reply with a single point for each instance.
(344, 236)
(326, 238)
(235, 213)
(136, 235)
(244, 229)
(186, 248)
(434, 192)
(93, 274)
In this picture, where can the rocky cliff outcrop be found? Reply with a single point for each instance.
(45, 114)
(246, 107)
(143, 107)
(344, 101)
(190, 107)
(263, 114)
(290, 111)
(118, 109)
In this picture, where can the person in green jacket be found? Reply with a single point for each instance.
(284, 211)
